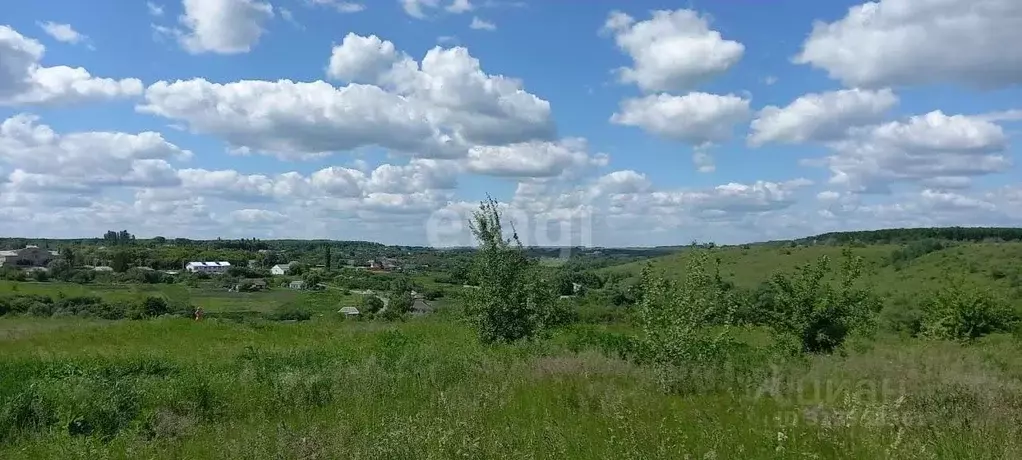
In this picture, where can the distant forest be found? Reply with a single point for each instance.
(886, 236)
(905, 235)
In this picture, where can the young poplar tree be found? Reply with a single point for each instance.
(512, 302)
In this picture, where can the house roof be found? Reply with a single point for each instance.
(284, 266)
(209, 264)
(421, 306)
(348, 310)
(8, 253)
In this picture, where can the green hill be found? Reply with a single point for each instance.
(896, 270)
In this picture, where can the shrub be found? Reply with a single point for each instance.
(432, 294)
(962, 312)
(370, 304)
(676, 319)
(289, 312)
(400, 303)
(389, 315)
(902, 317)
(818, 315)
(512, 301)
(150, 307)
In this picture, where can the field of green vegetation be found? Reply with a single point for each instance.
(211, 299)
(895, 349)
(174, 388)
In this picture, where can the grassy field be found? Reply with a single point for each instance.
(426, 389)
(992, 265)
(211, 299)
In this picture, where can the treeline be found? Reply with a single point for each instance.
(91, 306)
(906, 235)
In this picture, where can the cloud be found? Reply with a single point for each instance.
(695, 118)
(340, 6)
(24, 81)
(533, 159)
(436, 108)
(621, 182)
(672, 51)
(222, 26)
(85, 162)
(933, 149)
(154, 9)
(63, 32)
(909, 42)
(250, 216)
(459, 6)
(479, 24)
(416, 8)
(820, 116)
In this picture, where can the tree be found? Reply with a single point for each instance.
(327, 257)
(677, 319)
(119, 262)
(819, 315)
(371, 304)
(400, 302)
(512, 302)
(962, 312)
(68, 255)
(60, 269)
(312, 278)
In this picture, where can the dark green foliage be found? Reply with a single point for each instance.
(400, 302)
(903, 317)
(817, 314)
(432, 294)
(60, 269)
(119, 262)
(370, 304)
(290, 312)
(40, 275)
(901, 235)
(150, 307)
(915, 250)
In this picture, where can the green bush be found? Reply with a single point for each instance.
(817, 314)
(677, 319)
(962, 312)
(513, 301)
(370, 304)
(902, 317)
(289, 312)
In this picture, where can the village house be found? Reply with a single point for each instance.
(280, 269)
(208, 267)
(29, 256)
(349, 311)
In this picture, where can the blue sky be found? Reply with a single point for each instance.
(733, 120)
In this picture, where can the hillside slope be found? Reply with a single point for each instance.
(994, 265)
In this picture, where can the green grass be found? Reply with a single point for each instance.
(174, 388)
(211, 299)
(992, 265)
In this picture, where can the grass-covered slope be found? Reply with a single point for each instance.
(992, 265)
